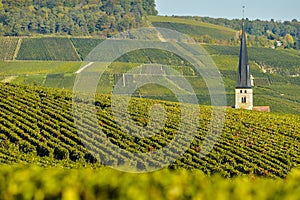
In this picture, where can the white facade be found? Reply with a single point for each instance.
(252, 80)
(244, 98)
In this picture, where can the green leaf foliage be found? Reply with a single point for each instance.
(38, 183)
(69, 17)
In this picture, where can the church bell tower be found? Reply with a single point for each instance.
(243, 90)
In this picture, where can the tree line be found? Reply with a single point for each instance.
(72, 17)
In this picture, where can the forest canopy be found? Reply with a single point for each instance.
(72, 17)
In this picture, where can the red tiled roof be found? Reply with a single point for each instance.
(262, 108)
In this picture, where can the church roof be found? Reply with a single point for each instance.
(243, 80)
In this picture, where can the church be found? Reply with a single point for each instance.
(245, 82)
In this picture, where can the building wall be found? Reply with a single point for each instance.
(244, 98)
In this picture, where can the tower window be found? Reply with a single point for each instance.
(244, 100)
(241, 91)
(245, 91)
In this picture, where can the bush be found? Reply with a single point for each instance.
(60, 153)
(26, 147)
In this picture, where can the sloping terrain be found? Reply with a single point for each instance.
(7, 48)
(37, 127)
(194, 28)
(47, 49)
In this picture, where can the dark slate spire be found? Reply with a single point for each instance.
(243, 80)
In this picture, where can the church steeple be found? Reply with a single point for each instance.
(243, 90)
(243, 79)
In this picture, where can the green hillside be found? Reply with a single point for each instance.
(53, 61)
(284, 62)
(287, 32)
(37, 127)
(204, 32)
(45, 155)
(275, 71)
(85, 45)
(8, 47)
(201, 30)
(275, 34)
(47, 49)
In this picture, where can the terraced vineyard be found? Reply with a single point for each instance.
(37, 127)
(60, 81)
(271, 89)
(47, 49)
(274, 61)
(85, 45)
(194, 28)
(285, 62)
(7, 48)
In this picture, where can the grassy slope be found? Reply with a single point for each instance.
(190, 22)
(18, 68)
